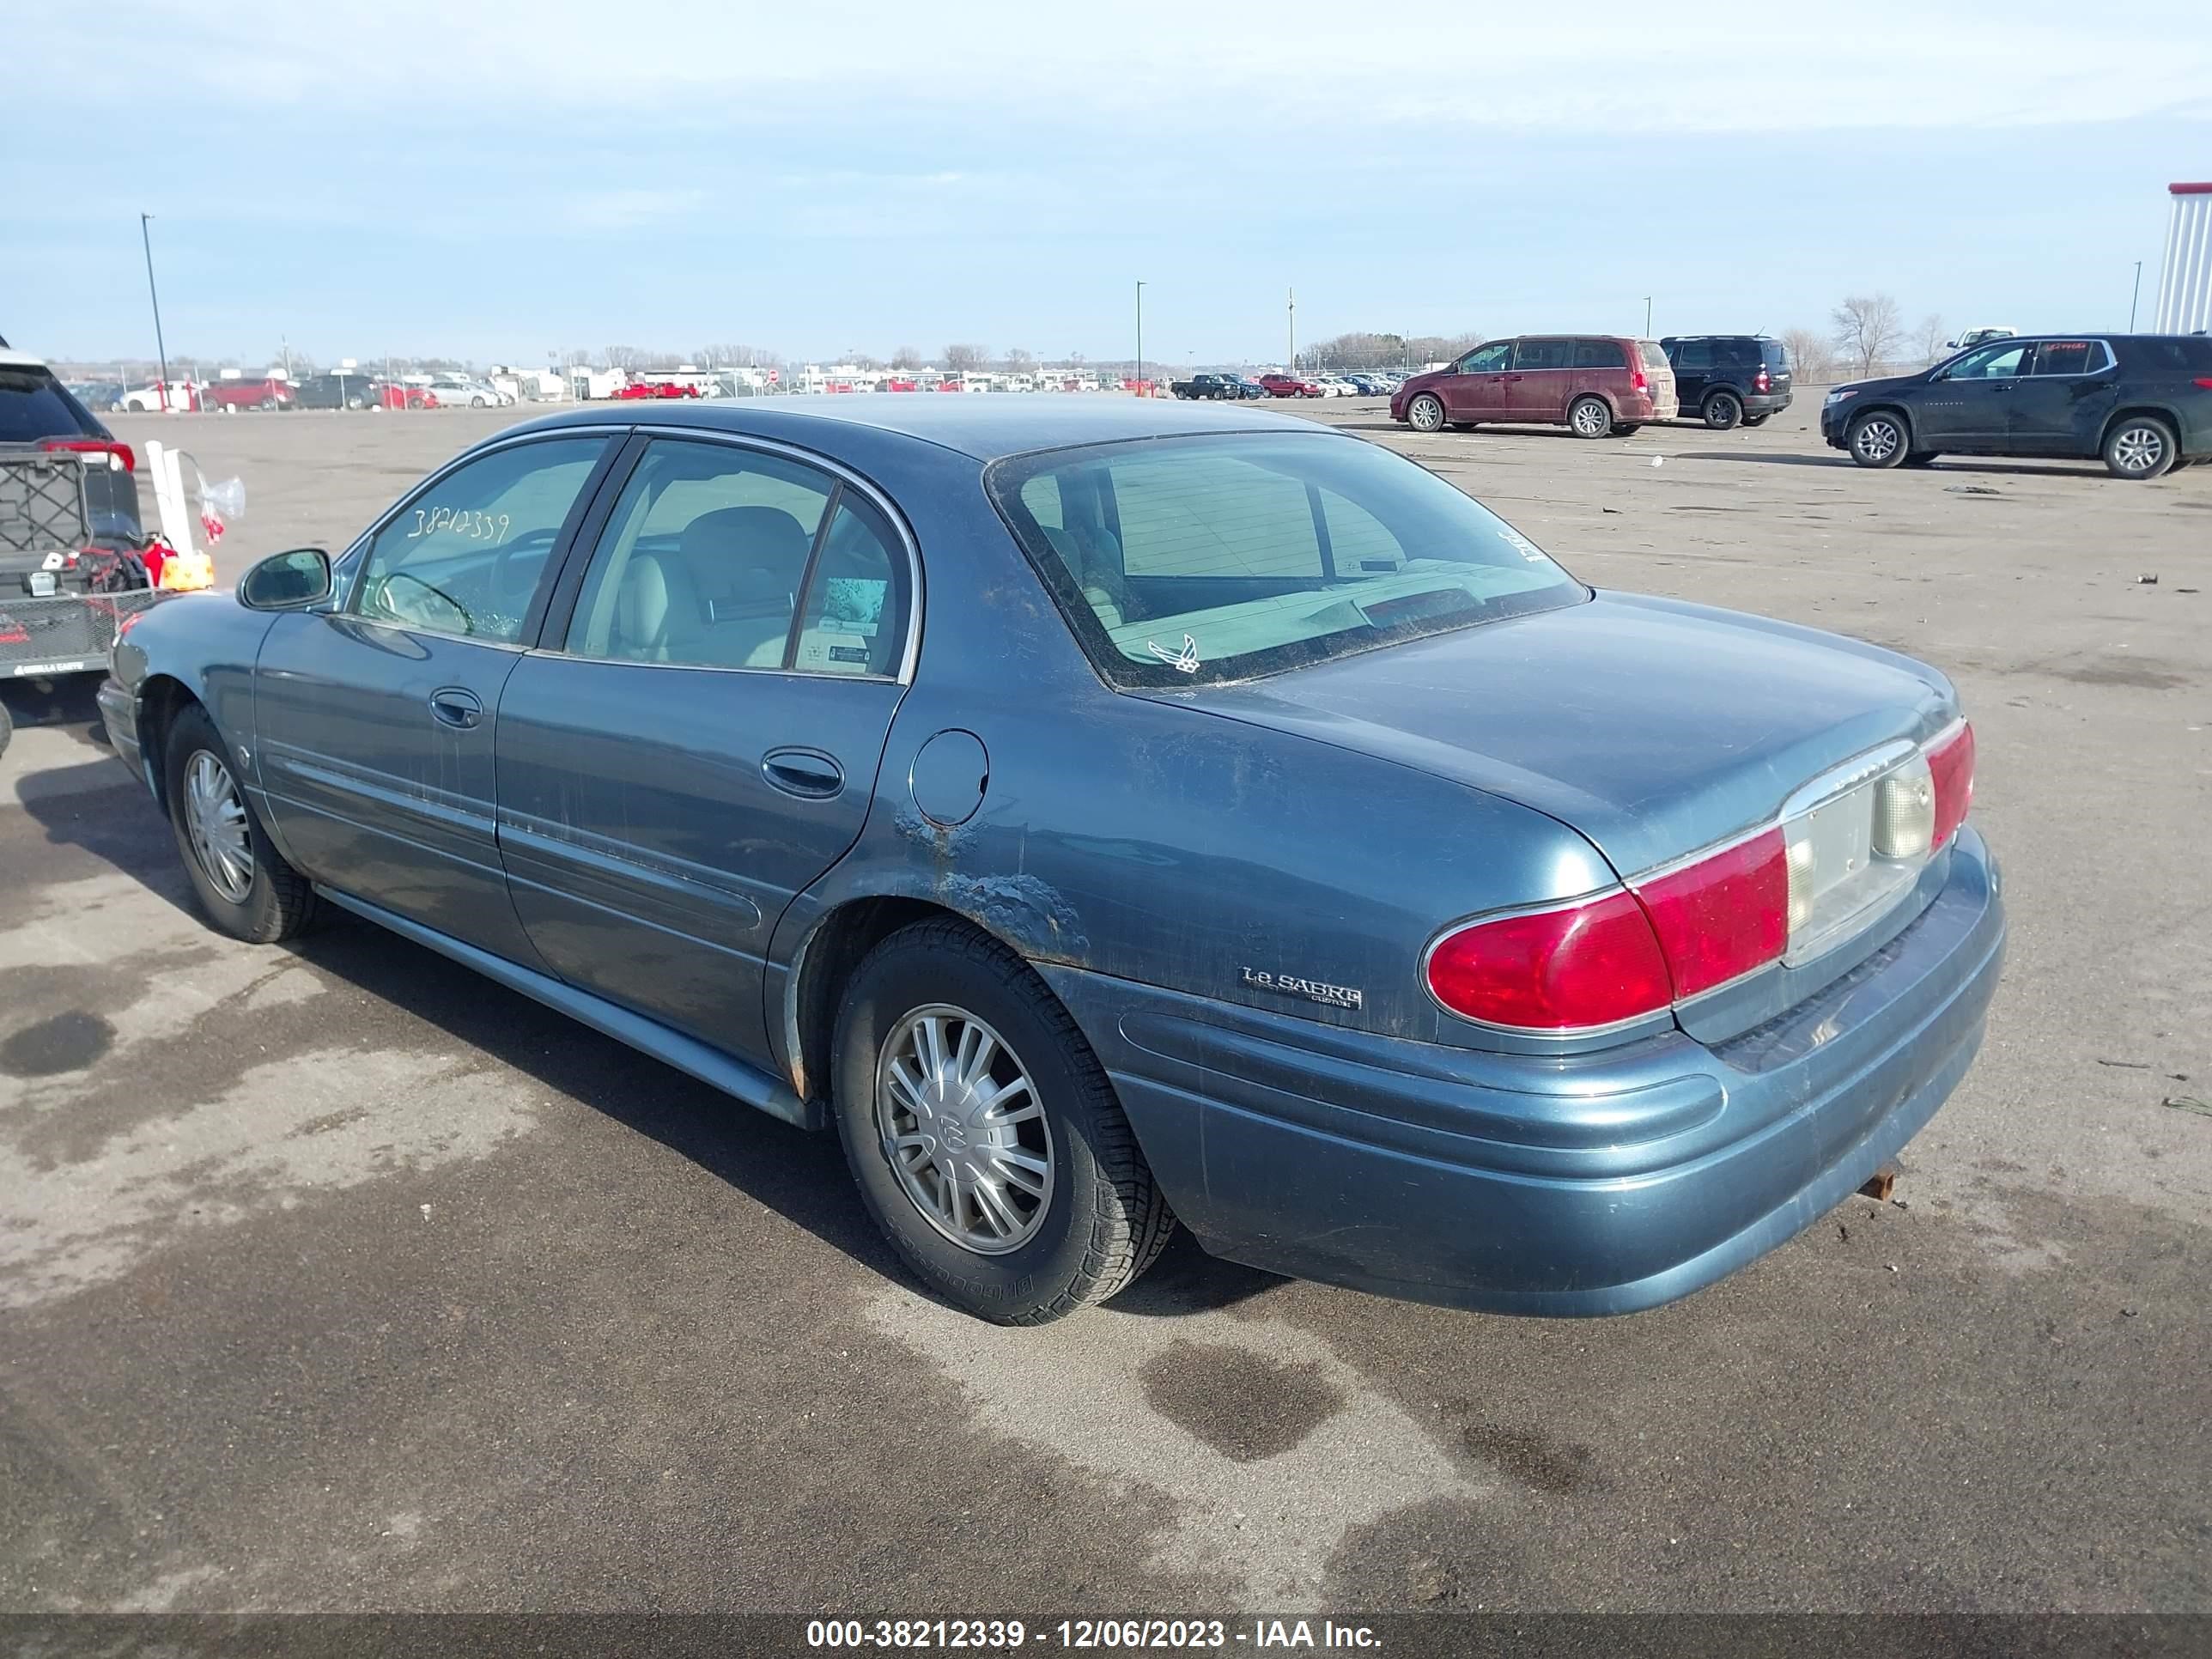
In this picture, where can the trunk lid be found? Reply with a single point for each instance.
(1653, 728)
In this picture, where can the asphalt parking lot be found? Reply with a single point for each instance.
(334, 1276)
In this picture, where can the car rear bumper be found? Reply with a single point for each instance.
(1602, 1184)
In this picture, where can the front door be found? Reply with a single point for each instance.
(2059, 407)
(1477, 389)
(681, 758)
(374, 722)
(1969, 404)
(1543, 371)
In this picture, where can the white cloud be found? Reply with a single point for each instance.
(625, 210)
(1610, 65)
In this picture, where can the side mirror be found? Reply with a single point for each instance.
(284, 581)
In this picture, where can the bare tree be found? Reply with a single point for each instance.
(966, 358)
(907, 357)
(1867, 329)
(1930, 337)
(624, 357)
(1811, 358)
(1020, 362)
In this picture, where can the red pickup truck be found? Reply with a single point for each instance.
(655, 389)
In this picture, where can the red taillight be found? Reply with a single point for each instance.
(2205, 380)
(1617, 958)
(1718, 919)
(1951, 765)
(1581, 965)
(95, 446)
(1639, 383)
(1761, 383)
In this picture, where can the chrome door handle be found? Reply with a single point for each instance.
(456, 706)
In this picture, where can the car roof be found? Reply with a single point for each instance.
(11, 358)
(986, 428)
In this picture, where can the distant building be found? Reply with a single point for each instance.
(2184, 288)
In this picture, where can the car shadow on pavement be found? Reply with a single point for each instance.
(1948, 464)
(802, 1176)
(69, 703)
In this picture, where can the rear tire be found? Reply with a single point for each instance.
(1723, 411)
(242, 882)
(1072, 1214)
(2139, 447)
(1589, 417)
(1425, 413)
(1877, 438)
(6, 727)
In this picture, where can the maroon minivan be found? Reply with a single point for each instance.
(1591, 384)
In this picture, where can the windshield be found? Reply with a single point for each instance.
(1192, 560)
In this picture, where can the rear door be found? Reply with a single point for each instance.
(1477, 390)
(1774, 358)
(679, 759)
(1542, 372)
(2059, 406)
(1969, 405)
(374, 722)
(1692, 361)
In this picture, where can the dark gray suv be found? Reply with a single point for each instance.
(2143, 402)
(1729, 379)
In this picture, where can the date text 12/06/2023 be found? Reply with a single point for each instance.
(1007, 1635)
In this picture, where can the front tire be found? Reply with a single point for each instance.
(242, 882)
(1589, 417)
(983, 1133)
(1877, 438)
(1425, 413)
(2139, 447)
(1723, 411)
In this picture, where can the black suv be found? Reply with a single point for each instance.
(1728, 379)
(2143, 402)
(339, 389)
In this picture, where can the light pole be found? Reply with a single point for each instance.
(2135, 296)
(1293, 309)
(161, 350)
(1647, 316)
(1141, 340)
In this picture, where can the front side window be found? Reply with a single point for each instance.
(1490, 359)
(2001, 361)
(466, 556)
(1207, 559)
(1694, 353)
(704, 560)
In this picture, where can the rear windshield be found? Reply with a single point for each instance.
(1187, 559)
(34, 405)
(1653, 356)
(1774, 354)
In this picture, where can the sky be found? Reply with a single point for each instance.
(503, 182)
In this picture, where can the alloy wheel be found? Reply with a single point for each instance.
(2138, 448)
(962, 1128)
(1427, 414)
(1590, 419)
(215, 819)
(1879, 439)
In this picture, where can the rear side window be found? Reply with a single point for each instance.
(1653, 356)
(34, 405)
(1544, 354)
(2168, 354)
(2069, 357)
(1600, 354)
